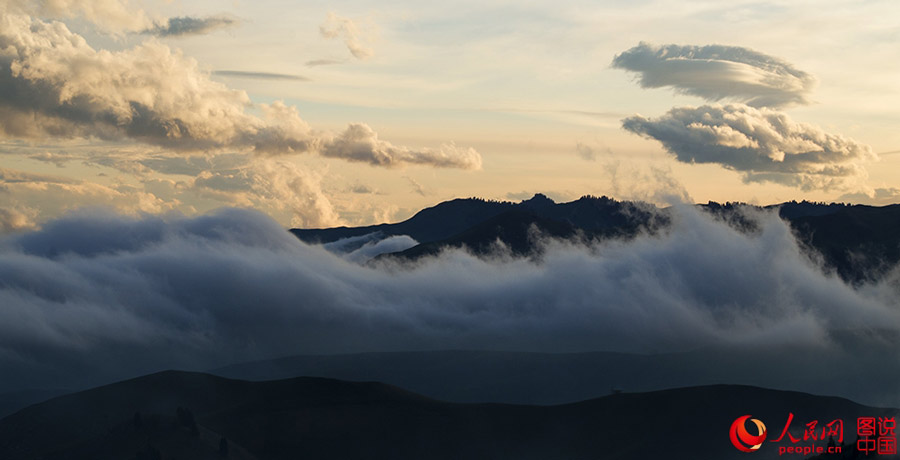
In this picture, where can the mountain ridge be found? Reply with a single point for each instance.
(317, 418)
(860, 242)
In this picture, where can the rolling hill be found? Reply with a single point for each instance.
(181, 415)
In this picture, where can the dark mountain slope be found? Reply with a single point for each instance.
(320, 418)
(12, 401)
(430, 224)
(451, 218)
(516, 230)
(521, 228)
(860, 242)
(555, 378)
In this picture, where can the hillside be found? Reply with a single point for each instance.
(322, 418)
(472, 376)
(858, 242)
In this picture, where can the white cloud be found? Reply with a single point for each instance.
(716, 72)
(109, 15)
(279, 187)
(765, 145)
(360, 143)
(54, 85)
(49, 196)
(363, 248)
(16, 220)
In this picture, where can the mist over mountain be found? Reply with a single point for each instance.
(859, 242)
(96, 297)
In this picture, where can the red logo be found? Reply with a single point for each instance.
(742, 439)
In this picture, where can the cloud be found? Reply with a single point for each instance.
(416, 186)
(874, 197)
(519, 196)
(643, 182)
(48, 196)
(259, 75)
(318, 62)
(763, 144)
(340, 27)
(54, 85)
(361, 144)
(117, 16)
(58, 159)
(186, 25)
(109, 15)
(13, 220)
(589, 153)
(12, 176)
(92, 297)
(361, 189)
(277, 186)
(360, 249)
(195, 164)
(289, 191)
(716, 72)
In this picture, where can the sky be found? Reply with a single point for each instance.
(349, 112)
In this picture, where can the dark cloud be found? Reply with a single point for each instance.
(716, 72)
(318, 62)
(186, 25)
(259, 75)
(765, 145)
(93, 296)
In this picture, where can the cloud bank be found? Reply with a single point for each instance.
(763, 144)
(53, 84)
(716, 73)
(98, 296)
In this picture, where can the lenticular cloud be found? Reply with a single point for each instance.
(716, 72)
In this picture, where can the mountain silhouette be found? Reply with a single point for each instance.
(187, 415)
(856, 241)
